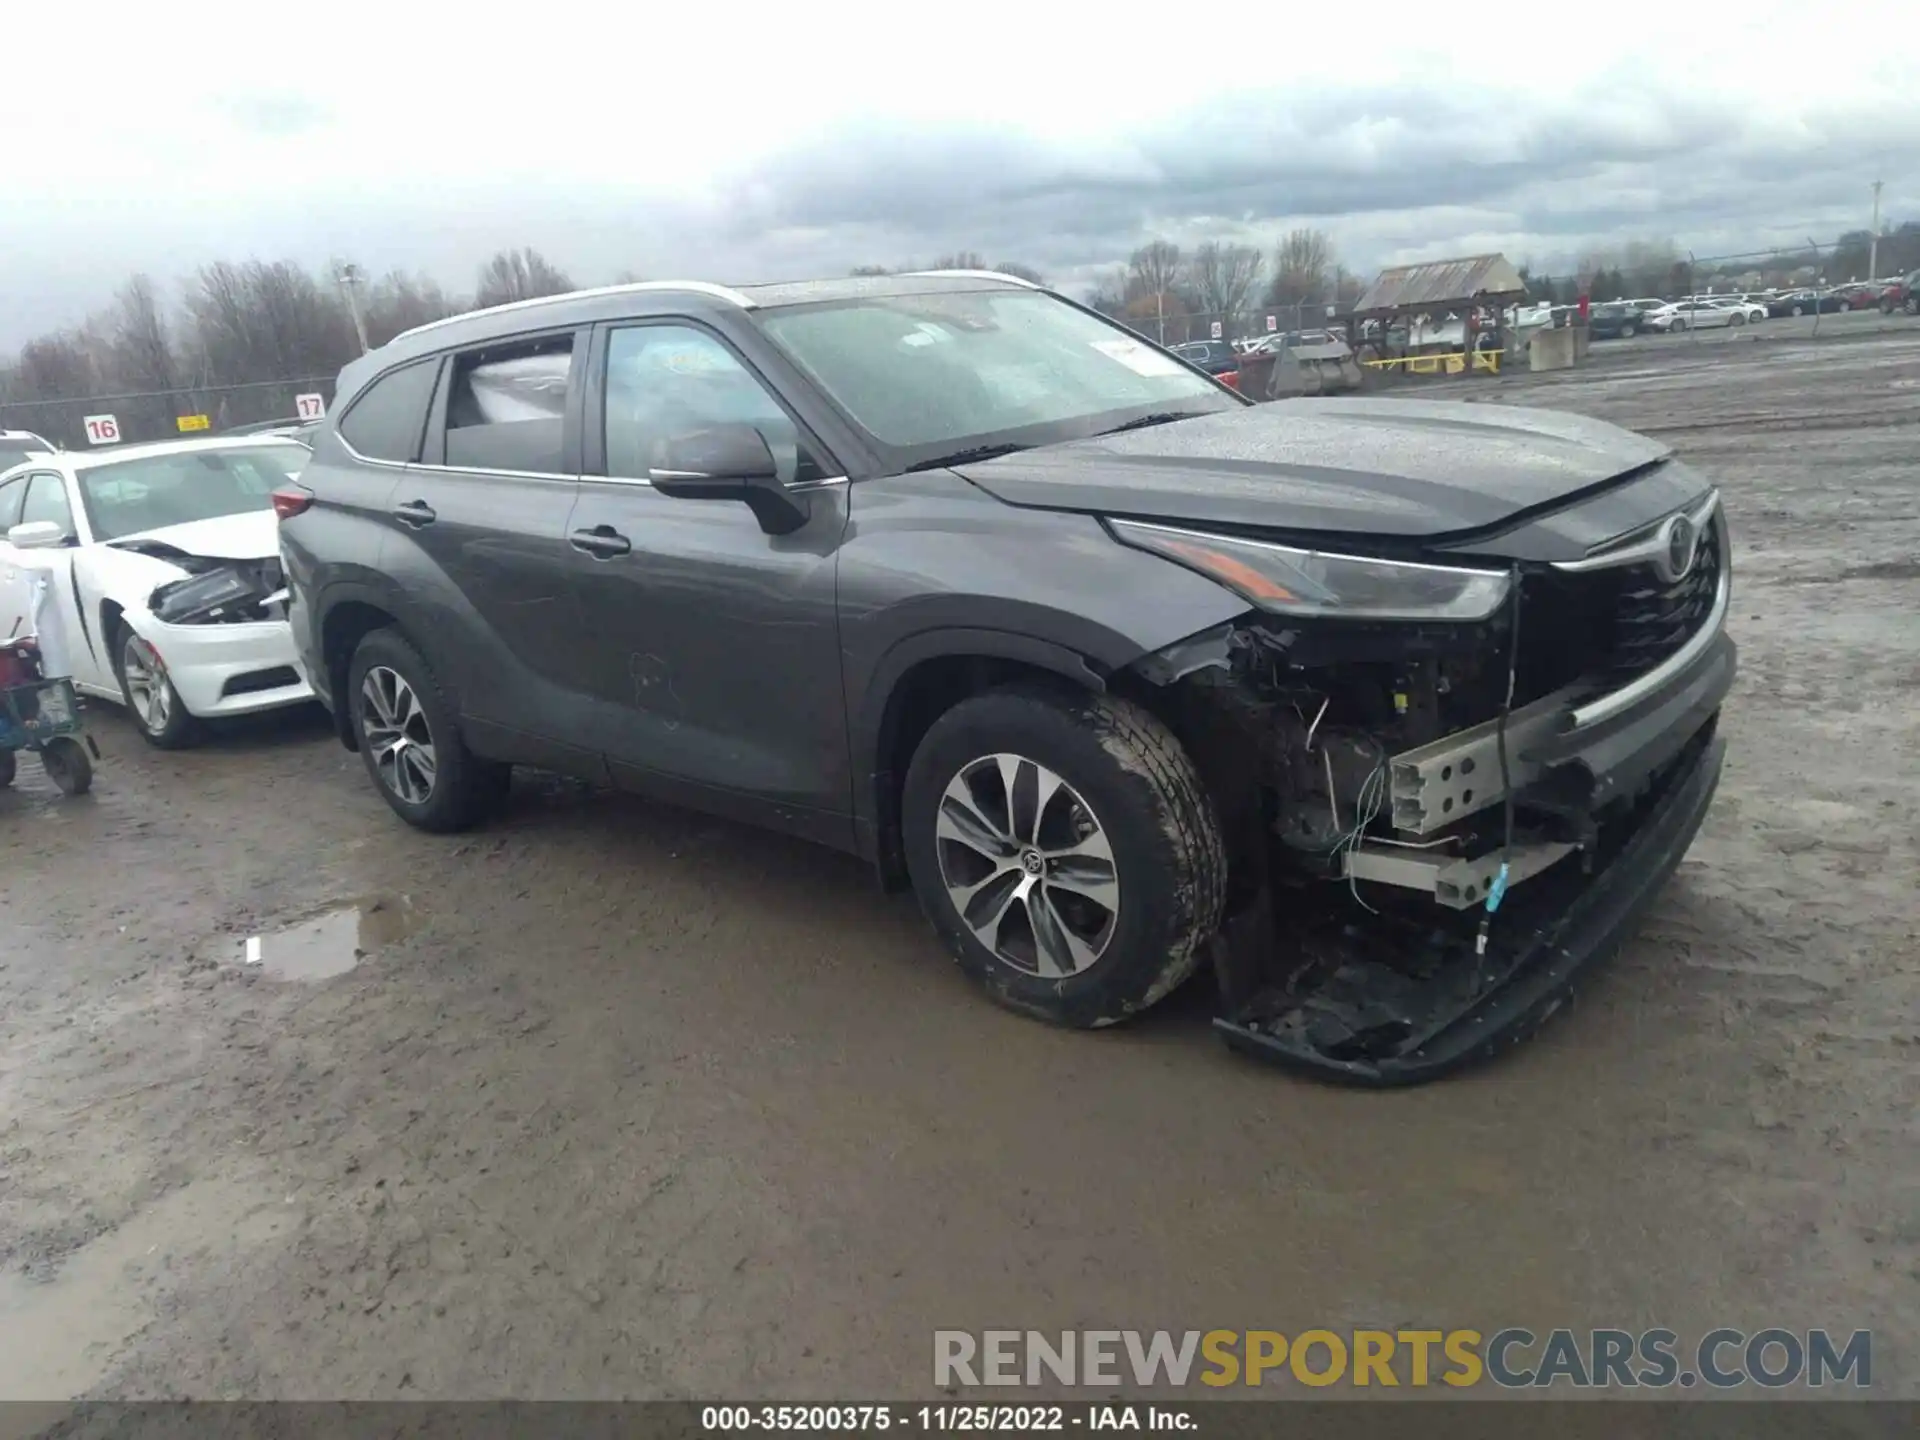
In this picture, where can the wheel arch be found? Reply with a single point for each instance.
(347, 620)
(919, 679)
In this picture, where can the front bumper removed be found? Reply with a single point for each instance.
(1344, 1014)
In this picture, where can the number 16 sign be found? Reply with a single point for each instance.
(101, 429)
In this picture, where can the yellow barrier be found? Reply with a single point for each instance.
(1452, 363)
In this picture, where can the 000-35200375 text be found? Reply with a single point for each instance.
(1008, 1419)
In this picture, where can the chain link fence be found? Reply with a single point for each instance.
(92, 420)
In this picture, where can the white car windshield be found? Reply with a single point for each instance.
(130, 497)
(922, 372)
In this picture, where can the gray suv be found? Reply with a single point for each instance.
(1122, 673)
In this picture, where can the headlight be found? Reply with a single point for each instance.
(1312, 582)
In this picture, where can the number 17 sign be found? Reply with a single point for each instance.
(310, 407)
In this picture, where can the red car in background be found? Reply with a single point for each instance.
(1861, 295)
(1901, 294)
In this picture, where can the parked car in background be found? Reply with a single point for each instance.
(1745, 311)
(962, 577)
(1615, 320)
(1684, 315)
(17, 445)
(1796, 303)
(1218, 358)
(1858, 296)
(1901, 294)
(165, 575)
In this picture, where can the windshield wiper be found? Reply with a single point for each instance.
(966, 457)
(1163, 417)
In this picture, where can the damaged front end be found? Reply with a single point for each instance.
(1445, 791)
(215, 591)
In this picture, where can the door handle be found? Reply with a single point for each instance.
(414, 512)
(602, 542)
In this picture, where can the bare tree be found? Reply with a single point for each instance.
(1153, 269)
(1300, 266)
(397, 302)
(960, 260)
(522, 274)
(1020, 271)
(863, 270)
(1222, 279)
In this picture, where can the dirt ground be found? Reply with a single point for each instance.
(623, 1102)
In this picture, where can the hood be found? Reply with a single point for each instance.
(253, 535)
(1410, 469)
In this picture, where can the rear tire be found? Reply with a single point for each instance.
(1095, 907)
(409, 737)
(1798, 312)
(1737, 319)
(9, 767)
(158, 712)
(1912, 307)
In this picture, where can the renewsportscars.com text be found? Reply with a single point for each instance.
(1511, 1359)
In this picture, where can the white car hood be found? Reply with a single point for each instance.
(254, 535)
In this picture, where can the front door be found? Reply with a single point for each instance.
(715, 661)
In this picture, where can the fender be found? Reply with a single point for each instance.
(867, 715)
(368, 587)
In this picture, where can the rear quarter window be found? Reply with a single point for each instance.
(390, 415)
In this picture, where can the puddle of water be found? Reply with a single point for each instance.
(333, 943)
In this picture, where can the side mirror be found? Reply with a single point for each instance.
(37, 535)
(730, 462)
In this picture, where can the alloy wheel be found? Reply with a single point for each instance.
(1028, 866)
(394, 729)
(147, 685)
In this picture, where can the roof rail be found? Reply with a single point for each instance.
(702, 287)
(976, 275)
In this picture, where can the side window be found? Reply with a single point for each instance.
(47, 500)
(388, 419)
(667, 380)
(507, 405)
(11, 494)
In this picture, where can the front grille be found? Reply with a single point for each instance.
(1652, 620)
(1609, 627)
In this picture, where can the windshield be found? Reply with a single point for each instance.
(130, 497)
(926, 375)
(18, 447)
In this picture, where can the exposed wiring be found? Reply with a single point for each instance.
(1497, 891)
(1324, 702)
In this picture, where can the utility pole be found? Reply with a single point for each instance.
(1873, 237)
(347, 277)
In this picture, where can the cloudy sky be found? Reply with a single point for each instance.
(748, 141)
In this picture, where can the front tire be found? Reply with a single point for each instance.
(9, 767)
(1064, 848)
(156, 707)
(1737, 319)
(410, 739)
(1912, 307)
(1798, 312)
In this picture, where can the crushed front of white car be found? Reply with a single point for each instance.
(215, 617)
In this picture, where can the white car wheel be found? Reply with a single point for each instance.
(156, 707)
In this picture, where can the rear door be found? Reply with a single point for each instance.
(480, 540)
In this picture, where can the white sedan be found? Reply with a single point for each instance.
(1692, 315)
(151, 574)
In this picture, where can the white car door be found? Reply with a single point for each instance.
(53, 614)
(14, 594)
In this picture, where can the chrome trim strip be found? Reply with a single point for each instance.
(799, 487)
(495, 474)
(340, 435)
(638, 287)
(971, 275)
(1641, 551)
(1630, 694)
(1304, 550)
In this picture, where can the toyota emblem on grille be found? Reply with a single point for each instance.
(1683, 544)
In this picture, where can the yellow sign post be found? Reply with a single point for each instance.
(194, 422)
